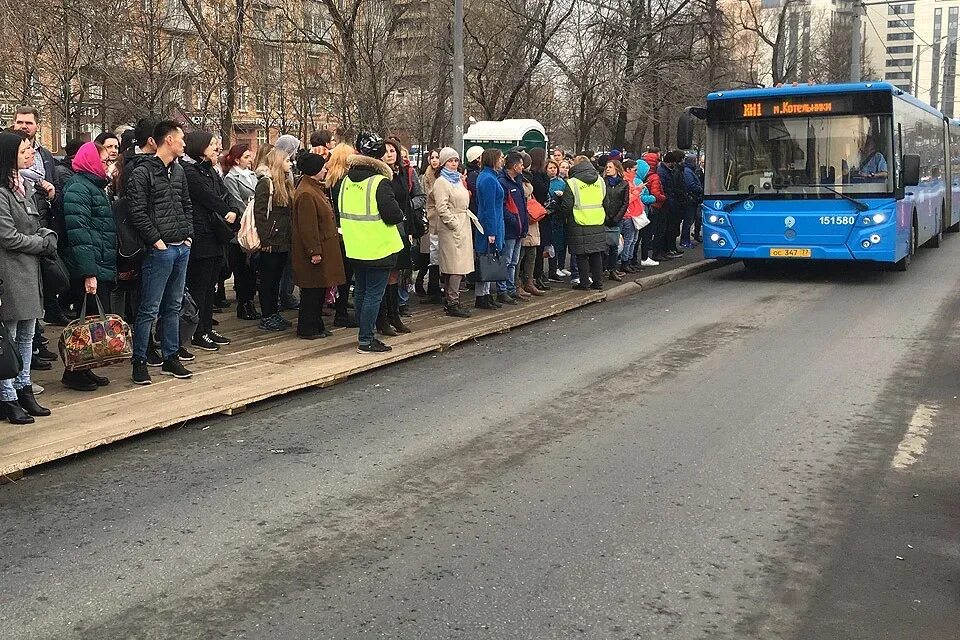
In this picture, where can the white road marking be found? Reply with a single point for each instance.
(914, 441)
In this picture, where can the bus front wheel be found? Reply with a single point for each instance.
(904, 263)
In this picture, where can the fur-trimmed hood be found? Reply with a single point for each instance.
(366, 164)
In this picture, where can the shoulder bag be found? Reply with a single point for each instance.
(10, 361)
(95, 341)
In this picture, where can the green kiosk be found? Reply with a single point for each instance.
(505, 134)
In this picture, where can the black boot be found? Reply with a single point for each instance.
(393, 309)
(78, 381)
(383, 324)
(493, 300)
(457, 311)
(483, 302)
(247, 311)
(100, 381)
(29, 403)
(14, 413)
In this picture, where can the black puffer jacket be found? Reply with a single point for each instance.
(210, 198)
(159, 202)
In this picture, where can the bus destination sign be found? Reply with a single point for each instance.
(786, 108)
(800, 106)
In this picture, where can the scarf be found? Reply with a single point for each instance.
(18, 186)
(613, 181)
(451, 175)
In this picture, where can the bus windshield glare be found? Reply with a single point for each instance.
(850, 154)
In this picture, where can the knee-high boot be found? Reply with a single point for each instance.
(393, 309)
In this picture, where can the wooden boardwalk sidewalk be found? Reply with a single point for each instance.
(256, 366)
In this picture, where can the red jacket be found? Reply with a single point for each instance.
(653, 180)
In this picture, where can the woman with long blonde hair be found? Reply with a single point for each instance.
(271, 209)
(337, 167)
(337, 164)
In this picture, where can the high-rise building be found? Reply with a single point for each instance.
(914, 46)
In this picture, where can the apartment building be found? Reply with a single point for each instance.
(914, 46)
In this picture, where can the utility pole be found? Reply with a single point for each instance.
(855, 42)
(458, 115)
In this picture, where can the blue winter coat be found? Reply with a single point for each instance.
(643, 169)
(516, 226)
(693, 184)
(489, 199)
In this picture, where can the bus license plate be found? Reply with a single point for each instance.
(789, 253)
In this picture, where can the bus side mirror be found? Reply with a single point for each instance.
(685, 131)
(685, 126)
(911, 170)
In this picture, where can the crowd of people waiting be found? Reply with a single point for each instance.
(147, 223)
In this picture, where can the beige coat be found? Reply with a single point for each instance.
(533, 236)
(428, 181)
(455, 227)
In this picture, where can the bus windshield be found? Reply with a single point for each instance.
(851, 154)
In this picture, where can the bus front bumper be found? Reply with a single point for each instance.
(721, 243)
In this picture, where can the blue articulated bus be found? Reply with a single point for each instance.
(826, 172)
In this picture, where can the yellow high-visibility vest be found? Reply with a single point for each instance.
(365, 235)
(588, 202)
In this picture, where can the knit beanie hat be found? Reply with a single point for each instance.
(447, 154)
(310, 164)
(474, 153)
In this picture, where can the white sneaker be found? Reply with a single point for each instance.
(649, 262)
(563, 273)
(37, 389)
(575, 281)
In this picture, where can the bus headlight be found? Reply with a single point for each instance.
(713, 219)
(715, 237)
(879, 217)
(865, 244)
(875, 238)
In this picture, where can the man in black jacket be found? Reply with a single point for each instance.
(160, 210)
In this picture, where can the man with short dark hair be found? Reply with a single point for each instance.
(516, 224)
(322, 142)
(160, 210)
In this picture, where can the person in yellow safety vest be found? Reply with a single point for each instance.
(582, 207)
(368, 215)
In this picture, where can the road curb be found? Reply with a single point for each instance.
(652, 282)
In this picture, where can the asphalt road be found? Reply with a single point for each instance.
(716, 458)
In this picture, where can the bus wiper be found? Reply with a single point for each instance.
(730, 206)
(859, 205)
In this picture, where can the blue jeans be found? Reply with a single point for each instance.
(369, 285)
(511, 250)
(21, 334)
(162, 278)
(630, 237)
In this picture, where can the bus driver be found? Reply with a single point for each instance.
(873, 165)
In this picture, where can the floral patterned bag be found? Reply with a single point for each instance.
(95, 341)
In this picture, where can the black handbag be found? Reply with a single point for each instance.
(492, 267)
(56, 278)
(222, 229)
(10, 361)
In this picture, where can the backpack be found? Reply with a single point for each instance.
(247, 237)
(129, 243)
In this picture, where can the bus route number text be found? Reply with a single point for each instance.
(838, 219)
